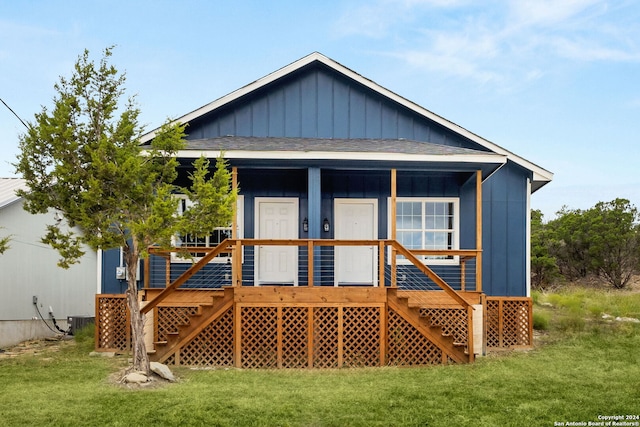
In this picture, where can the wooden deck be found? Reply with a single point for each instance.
(192, 320)
(284, 327)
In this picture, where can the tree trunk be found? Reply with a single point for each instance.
(138, 348)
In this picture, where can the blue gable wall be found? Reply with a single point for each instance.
(319, 103)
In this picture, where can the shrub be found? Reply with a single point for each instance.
(541, 320)
(85, 337)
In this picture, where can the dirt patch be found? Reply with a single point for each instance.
(37, 347)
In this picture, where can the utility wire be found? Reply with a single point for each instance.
(15, 114)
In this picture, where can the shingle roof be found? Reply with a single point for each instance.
(392, 146)
(8, 187)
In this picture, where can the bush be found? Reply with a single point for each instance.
(541, 320)
(85, 336)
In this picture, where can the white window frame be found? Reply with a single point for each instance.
(455, 230)
(175, 257)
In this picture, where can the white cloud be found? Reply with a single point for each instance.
(375, 18)
(548, 12)
(508, 42)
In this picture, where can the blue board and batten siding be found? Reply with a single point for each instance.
(504, 232)
(318, 102)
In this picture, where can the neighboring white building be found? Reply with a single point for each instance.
(29, 269)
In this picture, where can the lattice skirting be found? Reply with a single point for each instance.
(169, 317)
(113, 328)
(313, 336)
(302, 337)
(409, 347)
(452, 320)
(508, 322)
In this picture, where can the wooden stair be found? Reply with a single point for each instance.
(434, 333)
(206, 314)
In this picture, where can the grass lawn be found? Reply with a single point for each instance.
(579, 371)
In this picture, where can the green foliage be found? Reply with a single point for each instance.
(570, 243)
(4, 243)
(541, 320)
(544, 267)
(603, 240)
(85, 337)
(615, 241)
(84, 159)
(213, 199)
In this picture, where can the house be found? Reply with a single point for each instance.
(33, 286)
(368, 231)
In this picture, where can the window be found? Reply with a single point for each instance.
(428, 223)
(209, 241)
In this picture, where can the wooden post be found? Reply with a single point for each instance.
(234, 187)
(310, 250)
(310, 337)
(479, 230)
(381, 264)
(340, 336)
(167, 269)
(470, 333)
(236, 264)
(237, 335)
(463, 273)
(394, 282)
(383, 335)
(279, 337)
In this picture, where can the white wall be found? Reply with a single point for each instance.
(30, 268)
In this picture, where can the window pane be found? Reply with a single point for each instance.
(410, 239)
(193, 240)
(438, 240)
(409, 215)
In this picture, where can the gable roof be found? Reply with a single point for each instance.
(8, 187)
(540, 176)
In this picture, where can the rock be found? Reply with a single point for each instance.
(136, 378)
(607, 316)
(546, 304)
(162, 371)
(627, 319)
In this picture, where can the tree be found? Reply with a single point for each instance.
(570, 243)
(544, 268)
(614, 243)
(85, 160)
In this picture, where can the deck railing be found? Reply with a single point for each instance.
(318, 263)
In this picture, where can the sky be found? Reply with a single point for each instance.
(554, 81)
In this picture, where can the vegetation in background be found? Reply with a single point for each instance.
(84, 159)
(603, 240)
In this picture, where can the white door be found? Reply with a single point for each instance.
(356, 219)
(276, 218)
